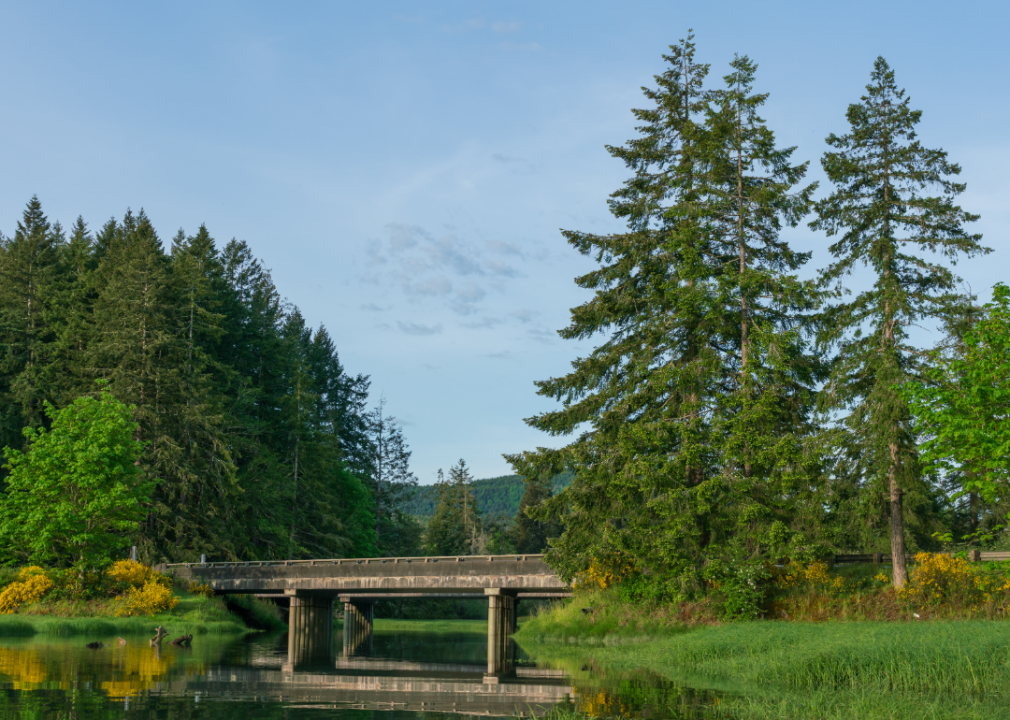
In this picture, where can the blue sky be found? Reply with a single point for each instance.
(404, 168)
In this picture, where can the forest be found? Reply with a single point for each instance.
(259, 441)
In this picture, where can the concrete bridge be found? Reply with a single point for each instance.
(312, 587)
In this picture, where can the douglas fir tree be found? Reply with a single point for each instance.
(888, 221)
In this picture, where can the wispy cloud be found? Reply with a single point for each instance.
(524, 315)
(418, 329)
(503, 248)
(542, 335)
(372, 307)
(484, 323)
(503, 355)
(444, 267)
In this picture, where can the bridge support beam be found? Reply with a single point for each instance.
(501, 623)
(359, 616)
(310, 630)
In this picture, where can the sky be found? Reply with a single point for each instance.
(404, 169)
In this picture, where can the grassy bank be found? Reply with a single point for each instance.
(194, 614)
(942, 669)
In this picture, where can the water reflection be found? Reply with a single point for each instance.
(254, 677)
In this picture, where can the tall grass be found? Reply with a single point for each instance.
(868, 670)
(595, 617)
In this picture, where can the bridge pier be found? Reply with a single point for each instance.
(501, 623)
(359, 616)
(310, 630)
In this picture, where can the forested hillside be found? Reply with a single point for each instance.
(258, 439)
(497, 497)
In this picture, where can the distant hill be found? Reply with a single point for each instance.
(496, 497)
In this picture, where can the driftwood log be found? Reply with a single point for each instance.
(159, 635)
(182, 640)
(95, 645)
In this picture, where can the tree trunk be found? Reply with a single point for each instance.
(897, 524)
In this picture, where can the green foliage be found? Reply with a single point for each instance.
(76, 496)
(961, 405)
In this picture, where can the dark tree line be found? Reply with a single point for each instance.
(261, 442)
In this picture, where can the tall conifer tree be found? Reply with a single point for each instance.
(889, 222)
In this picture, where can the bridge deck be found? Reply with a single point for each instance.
(454, 574)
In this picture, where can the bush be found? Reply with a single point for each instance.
(153, 597)
(32, 584)
(129, 572)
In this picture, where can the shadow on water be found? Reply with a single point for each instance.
(401, 674)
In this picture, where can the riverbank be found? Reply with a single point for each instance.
(194, 614)
(798, 670)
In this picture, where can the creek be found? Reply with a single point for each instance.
(403, 674)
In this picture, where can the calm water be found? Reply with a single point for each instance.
(403, 675)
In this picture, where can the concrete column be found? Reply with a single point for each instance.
(310, 631)
(500, 626)
(359, 616)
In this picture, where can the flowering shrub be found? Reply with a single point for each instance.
(153, 597)
(32, 584)
(813, 576)
(129, 572)
(938, 578)
(197, 589)
(604, 572)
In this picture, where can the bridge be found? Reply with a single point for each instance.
(312, 587)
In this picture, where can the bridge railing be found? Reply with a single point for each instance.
(361, 561)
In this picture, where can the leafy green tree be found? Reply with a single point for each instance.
(456, 523)
(961, 402)
(76, 495)
(890, 223)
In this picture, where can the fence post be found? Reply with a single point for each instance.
(974, 555)
(133, 553)
(203, 559)
(877, 559)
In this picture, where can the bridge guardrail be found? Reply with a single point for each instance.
(359, 561)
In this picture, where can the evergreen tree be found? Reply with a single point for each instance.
(30, 276)
(392, 481)
(888, 221)
(763, 420)
(530, 533)
(642, 469)
(456, 522)
(697, 402)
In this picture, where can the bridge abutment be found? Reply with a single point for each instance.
(359, 616)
